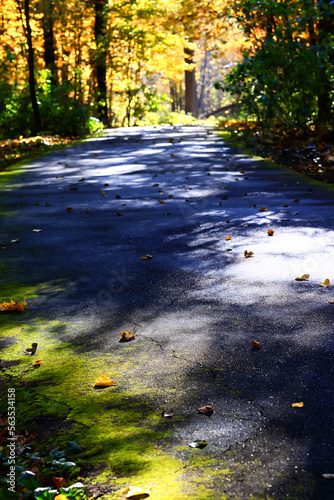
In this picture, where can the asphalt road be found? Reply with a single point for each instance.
(176, 193)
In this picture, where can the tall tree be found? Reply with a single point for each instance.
(47, 7)
(100, 59)
(31, 64)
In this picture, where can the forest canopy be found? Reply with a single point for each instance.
(72, 67)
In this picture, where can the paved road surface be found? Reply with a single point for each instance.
(176, 193)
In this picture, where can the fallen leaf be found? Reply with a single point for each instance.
(118, 196)
(254, 206)
(147, 257)
(126, 336)
(13, 306)
(37, 364)
(331, 302)
(305, 277)
(30, 351)
(298, 405)
(94, 154)
(69, 209)
(167, 415)
(228, 238)
(134, 492)
(262, 209)
(58, 481)
(256, 345)
(103, 381)
(325, 283)
(284, 205)
(174, 156)
(80, 180)
(47, 204)
(206, 409)
(162, 202)
(171, 141)
(295, 201)
(37, 230)
(328, 476)
(104, 194)
(118, 213)
(248, 254)
(14, 241)
(271, 232)
(199, 443)
(61, 496)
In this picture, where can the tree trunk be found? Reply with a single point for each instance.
(191, 94)
(49, 42)
(37, 119)
(101, 59)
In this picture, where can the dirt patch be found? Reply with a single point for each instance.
(46, 426)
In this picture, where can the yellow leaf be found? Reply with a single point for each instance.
(13, 306)
(133, 492)
(60, 497)
(298, 405)
(147, 257)
(325, 283)
(228, 238)
(305, 277)
(248, 254)
(127, 336)
(271, 232)
(103, 381)
(256, 345)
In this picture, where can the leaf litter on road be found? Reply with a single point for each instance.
(136, 493)
(103, 381)
(305, 277)
(199, 443)
(256, 345)
(126, 336)
(207, 410)
(325, 283)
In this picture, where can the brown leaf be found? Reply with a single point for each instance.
(69, 209)
(58, 481)
(147, 257)
(31, 350)
(162, 202)
(271, 232)
(331, 302)
(205, 409)
(256, 345)
(305, 277)
(248, 254)
(103, 381)
(325, 283)
(126, 336)
(262, 209)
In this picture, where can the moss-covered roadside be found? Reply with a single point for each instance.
(123, 438)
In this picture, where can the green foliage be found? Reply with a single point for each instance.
(290, 66)
(61, 112)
